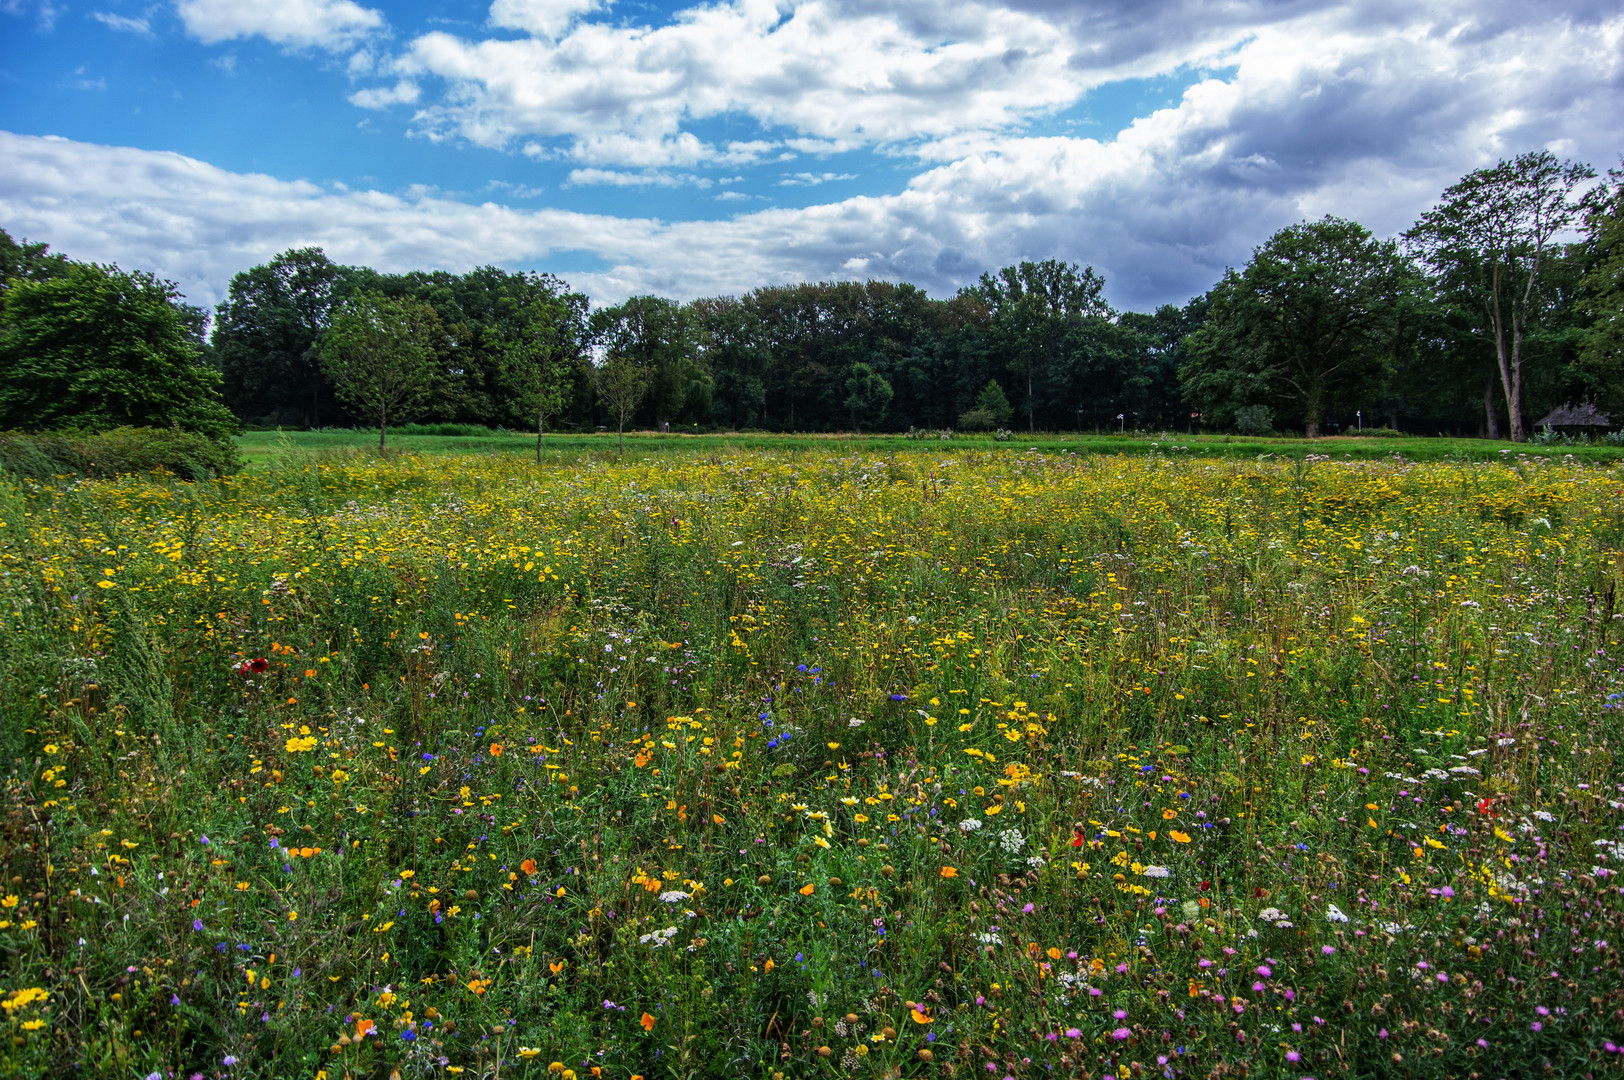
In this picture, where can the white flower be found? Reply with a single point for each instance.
(1156, 871)
(1544, 815)
(969, 824)
(1011, 840)
(1334, 913)
(1464, 770)
(674, 896)
(658, 937)
(854, 722)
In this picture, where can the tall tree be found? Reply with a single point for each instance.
(1033, 308)
(1489, 240)
(28, 261)
(95, 346)
(380, 354)
(1602, 351)
(267, 337)
(658, 335)
(868, 395)
(1314, 315)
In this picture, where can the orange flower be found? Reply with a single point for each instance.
(528, 866)
(769, 965)
(920, 1016)
(718, 819)
(496, 749)
(950, 871)
(363, 1028)
(557, 967)
(647, 1021)
(1179, 837)
(807, 889)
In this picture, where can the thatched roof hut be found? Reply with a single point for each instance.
(1584, 415)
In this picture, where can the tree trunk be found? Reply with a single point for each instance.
(1490, 417)
(1031, 405)
(383, 426)
(539, 414)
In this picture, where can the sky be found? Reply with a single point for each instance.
(701, 149)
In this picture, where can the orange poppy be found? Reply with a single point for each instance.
(647, 1021)
(528, 866)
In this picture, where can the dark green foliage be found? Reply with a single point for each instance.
(1314, 320)
(991, 410)
(47, 456)
(94, 347)
(379, 353)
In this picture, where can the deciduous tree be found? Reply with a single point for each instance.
(380, 354)
(1489, 241)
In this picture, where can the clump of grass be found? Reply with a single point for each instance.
(754, 764)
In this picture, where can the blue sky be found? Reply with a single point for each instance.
(692, 149)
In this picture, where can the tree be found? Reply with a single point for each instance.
(544, 350)
(1032, 309)
(868, 395)
(991, 410)
(1314, 315)
(621, 381)
(268, 333)
(659, 335)
(1602, 350)
(28, 262)
(380, 354)
(95, 347)
(1489, 240)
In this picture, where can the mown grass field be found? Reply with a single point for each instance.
(814, 762)
(262, 447)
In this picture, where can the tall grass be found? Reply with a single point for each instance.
(814, 763)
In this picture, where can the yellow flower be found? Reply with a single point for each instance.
(50, 748)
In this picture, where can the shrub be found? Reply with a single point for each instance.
(1254, 420)
(1376, 433)
(47, 455)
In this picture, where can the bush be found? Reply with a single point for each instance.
(1254, 420)
(1375, 433)
(47, 455)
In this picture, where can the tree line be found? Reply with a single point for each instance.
(1505, 299)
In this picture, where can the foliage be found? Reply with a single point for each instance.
(268, 334)
(622, 381)
(94, 347)
(379, 354)
(991, 410)
(27, 261)
(1602, 351)
(1254, 420)
(1488, 242)
(868, 396)
(46, 457)
(1314, 317)
(363, 766)
(546, 349)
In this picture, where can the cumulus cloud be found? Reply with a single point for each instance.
(1317, 113)
(623, 93)
(327, 24)
(544, 18)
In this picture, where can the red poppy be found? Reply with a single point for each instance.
(1205, 886)
(1077, 837)
(1260, 893)
(1484, 806)
(255, 666)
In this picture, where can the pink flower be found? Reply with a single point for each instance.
(1328, 950)
(1120, 1034)
(1073, 1033)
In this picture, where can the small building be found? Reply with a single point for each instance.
(1584, 416)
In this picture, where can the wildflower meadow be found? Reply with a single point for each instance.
(798, 763)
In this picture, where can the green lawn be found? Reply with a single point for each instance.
(262, 446)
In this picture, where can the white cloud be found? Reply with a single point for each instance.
(646, 178)
(403, 92)
(622, 94)
(806, 179)
(546, 18)
(329, 24)
(123, 22)
(1316, 115)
